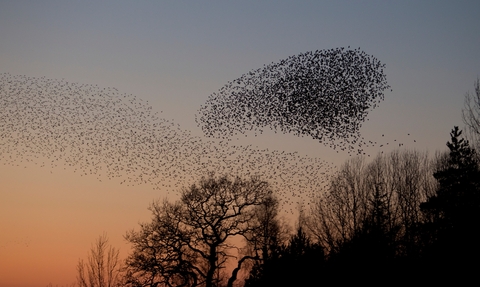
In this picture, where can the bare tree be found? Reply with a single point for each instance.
(471, 116)
(267, 230)
(267, 235)
(188, 243)
(386, 192)
(102, 268)
(338, 213)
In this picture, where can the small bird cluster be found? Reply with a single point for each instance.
(111, 135)
(325, 94)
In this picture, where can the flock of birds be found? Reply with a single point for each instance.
(325, 94)
(112, 135)
(102, 132)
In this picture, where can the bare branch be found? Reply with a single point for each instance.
(187, 242)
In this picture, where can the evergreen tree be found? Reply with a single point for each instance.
(457, 200)
(453, 213)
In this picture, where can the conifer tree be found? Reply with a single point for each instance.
(457, 200)
(453, 213)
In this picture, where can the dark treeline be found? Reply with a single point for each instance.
(403, 217)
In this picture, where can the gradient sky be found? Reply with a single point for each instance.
(175, 54)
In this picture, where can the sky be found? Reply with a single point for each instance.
(175, 54)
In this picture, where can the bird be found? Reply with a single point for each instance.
(320, 94)
(110, 135)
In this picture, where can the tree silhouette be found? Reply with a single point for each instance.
(372, 248)
(471, 115)
(266, 235)
(453, 213)
(267, 232)
(188, 243)
(296, 263)
(102, 268)
(391, 185)
(457, 198)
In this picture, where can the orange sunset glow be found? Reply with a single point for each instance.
(106, 108)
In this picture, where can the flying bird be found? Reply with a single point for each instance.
(101, 132)
(323, 94)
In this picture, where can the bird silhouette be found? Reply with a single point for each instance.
(101, 132)
(323, 94)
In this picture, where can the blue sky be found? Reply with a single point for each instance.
(174, 54)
